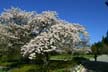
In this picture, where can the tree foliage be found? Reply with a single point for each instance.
(102, 46)
(32, 34)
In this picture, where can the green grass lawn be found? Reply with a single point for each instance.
(69, 57)
(57, 63)
(61, 57)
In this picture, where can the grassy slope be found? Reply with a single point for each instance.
(58, 63)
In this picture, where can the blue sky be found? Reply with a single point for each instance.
(93, 14)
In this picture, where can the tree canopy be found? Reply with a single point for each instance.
(101, 47)
(34, 33)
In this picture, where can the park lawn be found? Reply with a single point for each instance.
(54, 66)
(26, 68)
(69, 57)
(57, 63)
(61, 57)
(87, 56)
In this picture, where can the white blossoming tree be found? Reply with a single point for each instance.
(38, 34)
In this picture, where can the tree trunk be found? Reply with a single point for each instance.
(45, 62)
(95, 57)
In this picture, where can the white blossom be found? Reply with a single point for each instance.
(39, 33)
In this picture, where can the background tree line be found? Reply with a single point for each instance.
(101, 47)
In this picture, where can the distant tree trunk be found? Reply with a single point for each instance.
(95, 57)
(45, 62)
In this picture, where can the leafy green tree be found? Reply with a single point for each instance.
(105, 44)
(96, 49)
(101, 47)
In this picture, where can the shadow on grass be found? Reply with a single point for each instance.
(57, 64)
(96, 66)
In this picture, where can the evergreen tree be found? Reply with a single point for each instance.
(102, 46)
